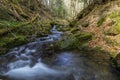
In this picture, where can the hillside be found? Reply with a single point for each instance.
(103, 23)
(22, 21)
(96, 32)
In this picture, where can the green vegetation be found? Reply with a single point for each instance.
(75, 41)
(115, 29)
(64, 28)
(14, 33)
(74, 30)
(73, 23)
(118, 4)
(4, 14)
(21, 22)
(117, 26)
(111, 42)
(10, 41)
(101, 21)
(85, 24)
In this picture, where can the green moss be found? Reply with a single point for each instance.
(73, 23)
(42, 29)
(118, 4)
(4, 14)
(112, 31)
(75, 41)
(24, 28)
(64, 28)
(101, 21)
(19, 40)
(111, 42)
(70, 42)
(114, 15)
(115, 29)
(12, 27)
(4, 23)
(10, 42)
(83, 36)
(85, 24)
(74, 30)
(14, 33)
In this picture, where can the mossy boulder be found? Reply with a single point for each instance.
(70, 42)
(75, 41)
(16, 33)
(10, 42)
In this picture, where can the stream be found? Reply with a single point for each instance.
(37, 61)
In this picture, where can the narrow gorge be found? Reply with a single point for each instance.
(59, 40)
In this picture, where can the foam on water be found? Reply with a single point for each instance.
(38, 72)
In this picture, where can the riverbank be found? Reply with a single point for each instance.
(21, 22)
(102, 22)
(40, 58)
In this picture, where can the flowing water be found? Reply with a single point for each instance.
(36, 61)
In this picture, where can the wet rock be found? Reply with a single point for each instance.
(97, 55)
(117, 62)
(75, 41)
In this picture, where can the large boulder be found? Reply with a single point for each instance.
(75, 41)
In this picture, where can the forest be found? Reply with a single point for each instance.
(59, 39)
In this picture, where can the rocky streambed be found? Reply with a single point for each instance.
(38, 61)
